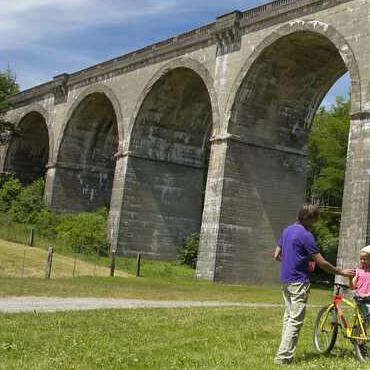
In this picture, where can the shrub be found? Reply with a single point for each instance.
(327, 237)
(9, 191)
(84, 231)
(28, 204)
(188, 252)
(46, 223)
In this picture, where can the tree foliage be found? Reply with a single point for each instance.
(28, 203)
(9, 191)
(85, 232)
(8, 87)
(327, 154)
(327, 149)
(188, 253)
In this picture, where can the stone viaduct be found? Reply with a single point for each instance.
(204, 132)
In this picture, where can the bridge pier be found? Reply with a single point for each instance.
(355, 230)
(116, 209)
(253, 191)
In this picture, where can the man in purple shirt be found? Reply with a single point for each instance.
(295, 249)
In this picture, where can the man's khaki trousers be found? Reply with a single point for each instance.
(295, 298)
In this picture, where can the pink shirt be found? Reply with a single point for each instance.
(363, 282)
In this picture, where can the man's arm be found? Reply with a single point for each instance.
(328, 267)
(277, 253)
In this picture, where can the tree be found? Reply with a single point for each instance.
(8, 87)
(327, 152)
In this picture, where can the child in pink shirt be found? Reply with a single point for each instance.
(361, 282)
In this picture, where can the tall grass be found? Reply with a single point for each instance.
(13, 231)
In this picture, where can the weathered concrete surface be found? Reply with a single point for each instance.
(166, 170)
(242, 92)
(84, 170)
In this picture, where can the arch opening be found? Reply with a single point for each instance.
(86, 163)
(28, 151)
(167, 168)
(271, 118)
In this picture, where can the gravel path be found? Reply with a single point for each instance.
(43, 304)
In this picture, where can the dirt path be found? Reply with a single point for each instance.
(44, 304)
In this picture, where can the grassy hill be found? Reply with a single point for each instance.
(13, 255)
(159, 280)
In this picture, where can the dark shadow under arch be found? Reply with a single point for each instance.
(28, 150)
(85, 163)
(167, 166)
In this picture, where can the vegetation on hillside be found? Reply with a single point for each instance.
(8, 87)
(24, 205)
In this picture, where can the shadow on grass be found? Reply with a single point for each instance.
(338, 353)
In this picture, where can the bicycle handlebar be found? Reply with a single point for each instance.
(342, 286)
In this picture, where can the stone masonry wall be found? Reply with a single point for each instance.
(251, 194)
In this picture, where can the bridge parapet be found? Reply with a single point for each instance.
(256, 18)
(237, 23)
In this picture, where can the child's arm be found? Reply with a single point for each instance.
(352, 282)
(277, 253)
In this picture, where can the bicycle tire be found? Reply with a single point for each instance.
(362, 348)
(324, 340)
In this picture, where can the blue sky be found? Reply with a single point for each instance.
(43, 38)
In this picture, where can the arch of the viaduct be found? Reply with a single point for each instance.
(94, 89)
(268, 116)
(185, 63)
(30, 149)
(84, 164)
(316, 27)
(167, 159)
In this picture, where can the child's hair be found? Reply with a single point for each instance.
(308, 211)
(365, 249)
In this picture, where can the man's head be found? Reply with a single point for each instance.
(308, 215)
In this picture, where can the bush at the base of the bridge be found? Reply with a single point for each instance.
(22, 209)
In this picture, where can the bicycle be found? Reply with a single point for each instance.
(332, 317)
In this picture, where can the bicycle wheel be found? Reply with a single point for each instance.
(362, 347)
(326, 330)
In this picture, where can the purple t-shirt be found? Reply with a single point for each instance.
(297, 245)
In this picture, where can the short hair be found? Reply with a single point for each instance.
(308, 211)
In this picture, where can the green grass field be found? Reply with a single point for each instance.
(160, 280)
(228, 338)
(148, 288)
(224, 338)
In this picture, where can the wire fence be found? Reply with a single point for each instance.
(25, 254)
(30, 262)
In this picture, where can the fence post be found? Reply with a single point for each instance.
(138, 263)
(22, 264)
(113, 263)
(97, 259)
(31, 238)
(74, 263)
(49, 263)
